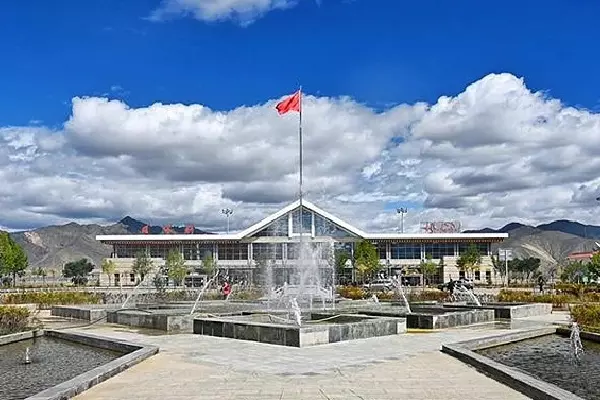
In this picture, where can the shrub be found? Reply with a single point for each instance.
(13, 319)
(45, 299)
(429, 296)
(587, 315)
(559, 300)
(352, 292)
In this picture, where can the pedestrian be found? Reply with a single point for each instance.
(541, 283)
(226, 290)
(451, 286)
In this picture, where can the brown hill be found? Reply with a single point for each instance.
(53, 246)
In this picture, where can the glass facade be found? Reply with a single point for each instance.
(439, 250)
(381, 250)
(484, 248)
(232, 251)
(267, 251)
(279, 227)
(405, 251)
(306, 221)
(325, 227)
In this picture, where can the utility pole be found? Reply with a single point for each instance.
(227, 212)
(505, 255)
(402, 211)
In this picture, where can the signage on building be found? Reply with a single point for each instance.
(189, 229)
(441, 227)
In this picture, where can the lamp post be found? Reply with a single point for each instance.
(227, 212)
(402, 211)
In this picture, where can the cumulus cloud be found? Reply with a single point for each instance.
(243, 12)
(495, 153)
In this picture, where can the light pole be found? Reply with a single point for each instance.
(227, 212)
(505, 255)
(402, 211)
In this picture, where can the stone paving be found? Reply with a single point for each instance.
(406, 366)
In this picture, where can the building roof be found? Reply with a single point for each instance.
(291, 207)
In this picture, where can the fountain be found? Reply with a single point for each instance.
(27, 359)
(296, 311)
(136, 290)
(400, 291)
(463, 294)
(202, 290)
(575, 341)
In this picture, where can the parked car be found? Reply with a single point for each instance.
(379, 285)
(468, 283)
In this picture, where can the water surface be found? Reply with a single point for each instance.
(549, 358)
(53, 361)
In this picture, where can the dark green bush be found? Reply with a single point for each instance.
(587, 315)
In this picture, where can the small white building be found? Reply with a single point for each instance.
(276, 238)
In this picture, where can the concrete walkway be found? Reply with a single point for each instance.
(397, 367)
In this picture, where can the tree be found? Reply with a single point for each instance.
(78, 271)
(469, 259)
(366, 258)
(428, 267)
(341, 257)
(175, 265)
(594, 267)
(13, 259)
(574, 272)
(108, 267)
(142, 264)
(499, 266)
(209, 265)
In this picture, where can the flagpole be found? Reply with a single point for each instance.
(300, 195)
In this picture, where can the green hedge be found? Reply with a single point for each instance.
(587, 315)
(45, 299)
(13, 319)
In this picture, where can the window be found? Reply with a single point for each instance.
(267, 251)
(439, 250)
(190, 251)
(128, 250)
(131, 277)
(488, 275)
(482, 247)
(381, 250)
(279, 227)
(477, 275)
(233, 251)
(405, 251)
(325, 227)
(461, 274)
(306, 221)
(117, 279)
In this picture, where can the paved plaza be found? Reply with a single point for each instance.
(406, 366)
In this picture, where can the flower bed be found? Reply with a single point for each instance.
(587, 316)
(48, 299)
(13, 319)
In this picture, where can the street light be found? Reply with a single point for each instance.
(402, 211)
(227, 212)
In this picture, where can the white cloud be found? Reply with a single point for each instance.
(243, 12)
(493, 154)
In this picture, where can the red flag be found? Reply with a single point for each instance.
(189, 229)
(291, 103)
(145, 229)
(167, 229)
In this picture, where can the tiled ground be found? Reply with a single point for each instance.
(401, 367)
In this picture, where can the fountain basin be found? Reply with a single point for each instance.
(86, 312)
(319, 328)
(536, 362)
(168, 320)
(509, 310)
(427, 316)
(63, 364)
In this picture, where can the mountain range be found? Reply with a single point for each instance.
(52, 246)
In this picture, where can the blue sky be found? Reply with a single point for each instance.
(377, 136)
(380, 52)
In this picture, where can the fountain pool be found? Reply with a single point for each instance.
(52, 361)
(550, 359)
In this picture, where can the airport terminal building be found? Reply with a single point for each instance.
(276, 238)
